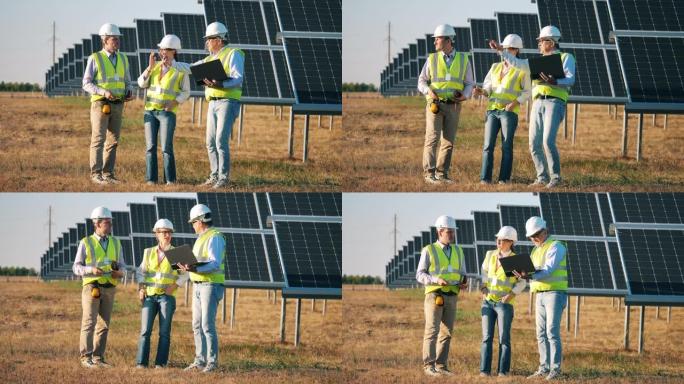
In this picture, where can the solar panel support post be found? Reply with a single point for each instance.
(242, 117)
(187, 293)
(626, 338)
(574, 122)
(290, 135)
(283, 308)
(565, 126)
(298, 315)
(199, 111)
(641, 328)
(567, 314)
(669, 309)
(654, 120)
(625, 119)
(223, 307)
(657, 312)
(233, 304)
(577, 316)
(529, 308)
(192, 114)
(305, 153)
(281, 113)
(331, 122)
(665, 122)
(319, 121)
(640, 130)
(325, 307)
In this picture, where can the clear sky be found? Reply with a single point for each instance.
(364, 28)
(26, 28)
(368, 221)
(24, 232)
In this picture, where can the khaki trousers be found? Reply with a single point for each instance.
(105, 131)
(95, 321)
(440, 129)
(439, 322)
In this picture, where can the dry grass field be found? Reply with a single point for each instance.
(384, 332)
(39, 332)
(44, 146)
(384, 143)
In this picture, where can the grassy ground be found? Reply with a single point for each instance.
(384, 142)
(40, 322)
(44, 146)
(384, 332)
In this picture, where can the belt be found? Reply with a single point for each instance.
(448, 101)
(544, 97)
(105, 285)
(218, 98)
(447, 293)
(202, 282)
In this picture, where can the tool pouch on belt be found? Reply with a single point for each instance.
(106, 108)
(434, 106)
(95, 290)
(439, 300)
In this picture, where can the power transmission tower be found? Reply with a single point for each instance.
(54, 39)
(389, 42)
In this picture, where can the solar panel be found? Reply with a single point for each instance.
(663, 208)
(619, 273)
(271, 21)
(128, 40)
(133, 67)
(143, 217)
(482, 63)
(78, 51)
(121, 224)
(524, 25)
(184, 57)
(574, 214)
(310, 15)
(231, 210)
(274, 259)
(306, 204)
(245, 258)
(588, 265)
(176, 210)
(149, 33)
(87, 47)
(616, 73)
(483, 30)
(465, 231)
(127, 252)
(140, 243)
(462, 42)
(606, 216)
(244, 20)
(422, 47)
(317, 69)
(188, 27)
(651, 15)
(591, 75)
(516, 216)
(471, 266)
(96, 43)
(487, 224)
(427, 239)
(576, 19)
(604, 21)
(259, 79)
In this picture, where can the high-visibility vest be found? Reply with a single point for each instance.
(558, 280)
(225, 54)
(498, 284)
(441, 266)
(541, 88)
(97, 257)
(108, 77)
(444, 81)
(158, 276)
(507, 89)
(202, 254)
(162, 91)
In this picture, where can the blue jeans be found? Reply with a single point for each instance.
(545, 120)
(506, 122)
(220, 118)
(205, 299)
(164, 124)
(165, 306)
(549, 311)
(502, 314)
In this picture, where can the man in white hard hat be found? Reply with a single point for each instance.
(550, 97)
(157, 285)
(108, 81)
(224, 102)
(441, 270)
(550, 283)
(506, 87)
(99, 261)
(210, 248)
(446, 80)
(168, 85)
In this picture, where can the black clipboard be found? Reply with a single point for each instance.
(182, 255)
(212, 70)
(520, 263)
(550, 65)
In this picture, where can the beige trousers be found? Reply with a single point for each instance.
(440, 129)
(95, 321)
(439, 322)
(105, 131)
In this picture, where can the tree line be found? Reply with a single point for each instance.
(19, 87)
(358, 87)
(17, 271)
(354, 279)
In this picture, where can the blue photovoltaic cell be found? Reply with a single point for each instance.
(306, 203)
(243, 19)
(150, 33)
(662, 208)
(317, 69)
(483, 30)
(576, 20)
(189, 28)
(310, 15)
(176, 210)
(648, 15)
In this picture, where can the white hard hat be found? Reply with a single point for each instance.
(216, 29)
(101, 213)
(109, 29)
(170, 42)
(512, 41)
(444, 30)
(445, 221)
(198, 212)
(507, 233)
(533, 225)
(163, 224)
(550, 31)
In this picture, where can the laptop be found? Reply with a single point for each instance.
(520, 263)
(550, 65)
(212, 70)
(182, 255)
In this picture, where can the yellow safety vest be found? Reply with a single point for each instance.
(162, 91)
(97, 257)
(506, 90)
(539, 88)
(225, 54)
(558, 280)
(158, 276)
(202, 255)
(449, 270)
(444, 81)
(498, 284)
(108, 77)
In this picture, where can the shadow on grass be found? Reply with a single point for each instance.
(269, 357)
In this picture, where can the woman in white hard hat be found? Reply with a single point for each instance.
(506, 87)
(550, 96)
(498, 295)
(167, 86)
(158, 282)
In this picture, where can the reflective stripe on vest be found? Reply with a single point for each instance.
(108, 77)
(441, 266)
(444, 81)
(505, 90)
(558, 280)
(158, 277)
(225, 54)
(539, 88)
(498, 283)
(102, 259)
(200, 249)
(162, 91)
